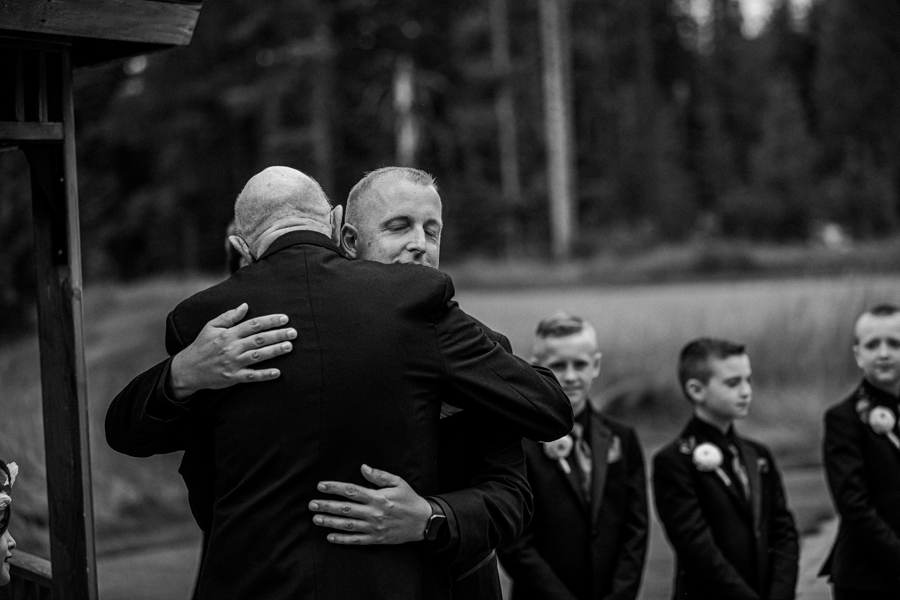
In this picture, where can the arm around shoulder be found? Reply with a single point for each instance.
(481, 373)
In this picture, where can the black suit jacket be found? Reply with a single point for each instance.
(578, 550)
(863, 469)
(379, 348)
(725, 546)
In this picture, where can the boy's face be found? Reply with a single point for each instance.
(728, 393)
(7, 544)
(877, 350)
(575, 362)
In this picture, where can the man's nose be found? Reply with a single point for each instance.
(570, 373)
(416, 242)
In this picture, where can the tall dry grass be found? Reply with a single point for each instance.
(798, 333)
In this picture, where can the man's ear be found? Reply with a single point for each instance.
(597, 357)
(350, 241)
(337, 218)
(238, 243)
(856, 355)
(695, 390)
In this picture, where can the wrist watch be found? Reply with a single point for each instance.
(437, 522)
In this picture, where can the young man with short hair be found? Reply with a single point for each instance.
(588, 536)
(719, 495)
(862, 462)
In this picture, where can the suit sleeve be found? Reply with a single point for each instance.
(496, 506)
(480, 373)
(530, 571)
(143, 420)
(784, 547)
(690, 535)
(845, 469)
(633, 545)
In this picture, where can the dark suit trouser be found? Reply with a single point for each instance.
(841, 593)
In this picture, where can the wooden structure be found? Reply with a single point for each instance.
(41, 41)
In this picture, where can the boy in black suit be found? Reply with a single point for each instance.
(588, 536)
(862, 461)
(719, 495)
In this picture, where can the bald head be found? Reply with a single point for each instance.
(277, 199)
(372, 187)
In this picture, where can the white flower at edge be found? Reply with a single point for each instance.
(559, 448)
(707, 457)
(13, 472)
(5, 500)
(882, 420)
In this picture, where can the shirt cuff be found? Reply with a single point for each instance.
(446, 545)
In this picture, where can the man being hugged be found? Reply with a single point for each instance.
(719, 495)
(588, 536)
(862, 462)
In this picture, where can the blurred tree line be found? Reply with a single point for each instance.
(683, 124)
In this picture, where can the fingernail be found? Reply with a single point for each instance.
(322, 487)
(317, 520)
(313, 506)
(286, 346)
(283, 319)
(367, 468)
(292, 333)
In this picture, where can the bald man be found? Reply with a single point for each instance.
(377, 349)
(862, 462)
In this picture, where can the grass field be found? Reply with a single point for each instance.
(798, 333)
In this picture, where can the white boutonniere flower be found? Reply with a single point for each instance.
(762, 465)
(707, 457)
(13, 472)
(559, 449)
(881, 420)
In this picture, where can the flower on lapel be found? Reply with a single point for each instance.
(615, 451)
(882, 420)
(686, 446)
(707, 457)
(762, 465)
(559, 449)
(862, 405)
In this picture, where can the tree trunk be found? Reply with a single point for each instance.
(505, 110)
(558, 124)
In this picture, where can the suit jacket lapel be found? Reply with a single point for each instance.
(751, 465)
(601, 437)
(701, 437)
(571, 477)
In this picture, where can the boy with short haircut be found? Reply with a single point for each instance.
(719, 495)
(862, 462)
(588, 536)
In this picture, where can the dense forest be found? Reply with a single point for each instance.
(682, 124)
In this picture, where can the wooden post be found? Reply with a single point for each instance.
(558, 124)
(57, 255)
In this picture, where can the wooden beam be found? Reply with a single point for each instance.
(125, 20)
(12, 131)
(57, 257)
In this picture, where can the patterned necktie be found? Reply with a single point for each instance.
(740, 472)
(584, 459)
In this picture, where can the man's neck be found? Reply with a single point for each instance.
(269, 237)
(716, 421)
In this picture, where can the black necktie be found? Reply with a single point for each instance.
(584, 459)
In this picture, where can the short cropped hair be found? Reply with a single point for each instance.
(879, 310)
(693, 362)
(278, 195)
(360, 191)
(561, 324)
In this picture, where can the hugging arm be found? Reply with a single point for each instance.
(480, 373)
(151, 414)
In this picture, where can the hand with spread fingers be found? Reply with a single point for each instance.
(220, 356)
(392, 514)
